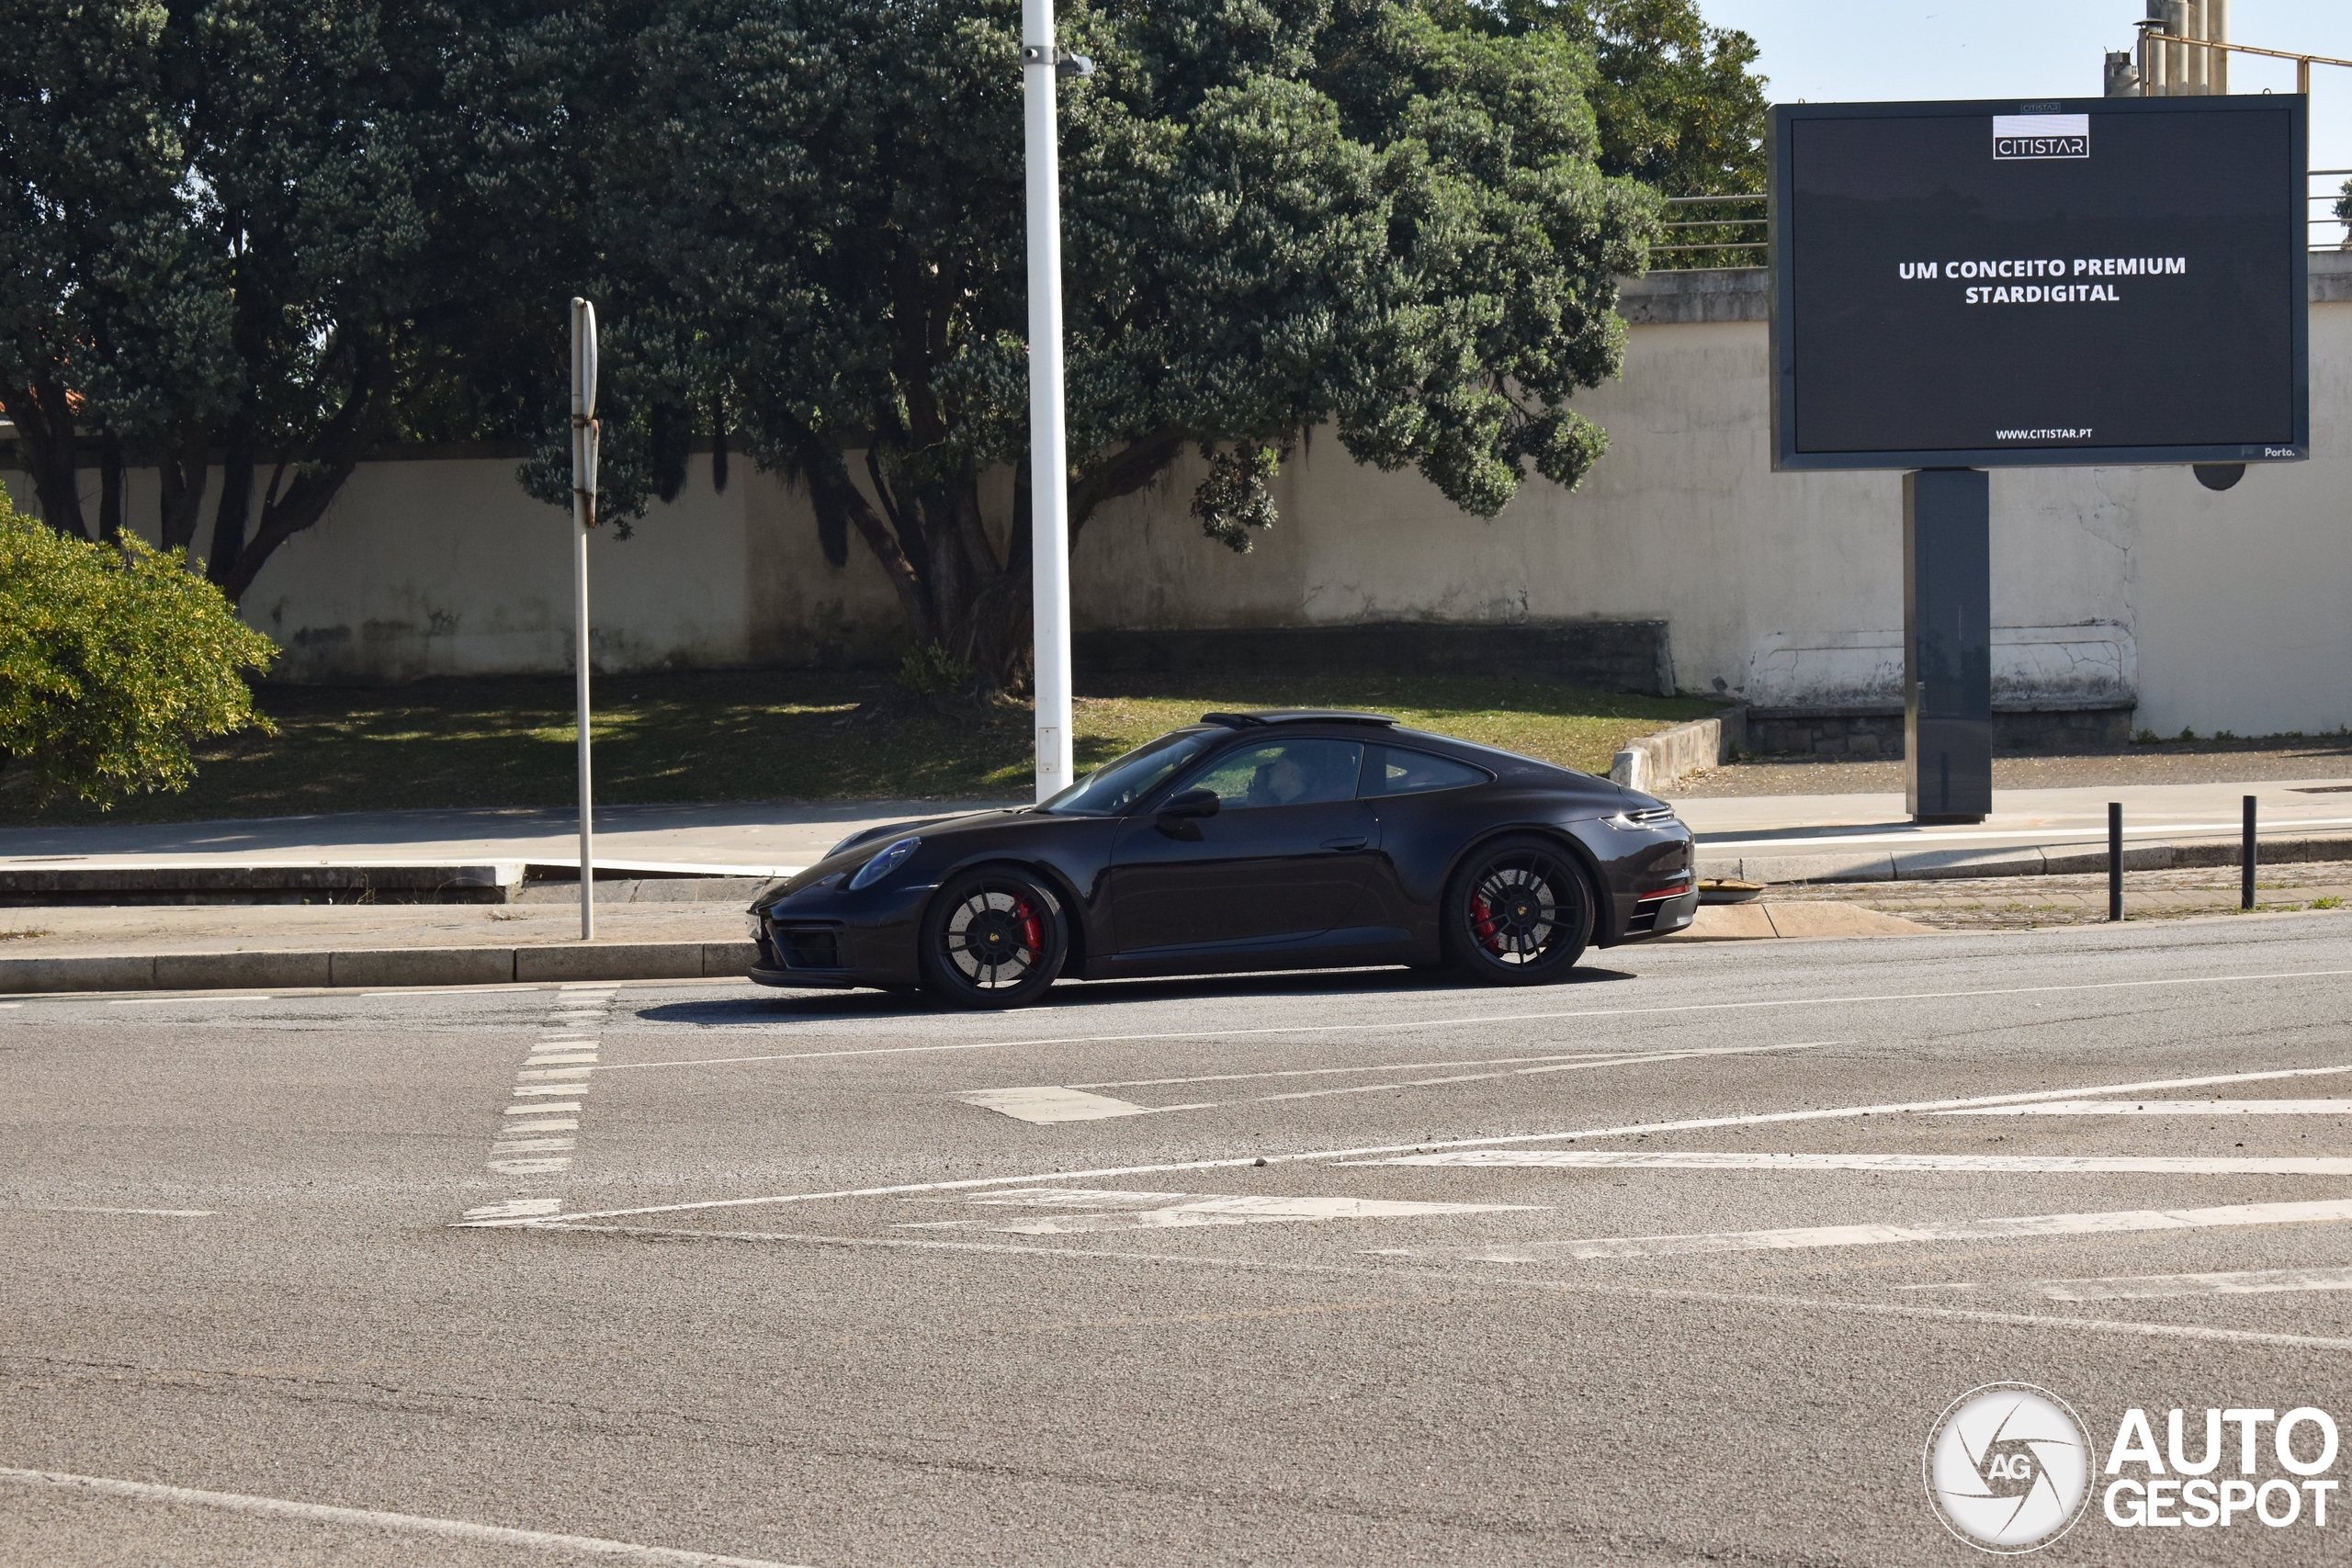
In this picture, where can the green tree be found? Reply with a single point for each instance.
(271, 235)
(1279, 215)
(115, 660)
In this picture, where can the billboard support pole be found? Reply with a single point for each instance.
(1948, 645)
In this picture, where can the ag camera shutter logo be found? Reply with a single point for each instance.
(2008, 1467)
(2041, 136)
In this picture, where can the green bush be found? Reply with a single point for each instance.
(115, 660)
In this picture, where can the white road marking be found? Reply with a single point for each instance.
(376, 1519)
(566, 1125)
(159, 1213)
(1693, 1125)
(1327, 1071)
(1094, 1211)
(524, 1091)
(2168, 1108)
(2014, 1164)
(1474, 1020)
(2110, 1223)
(570, 1074)
(1091, 1107)
(541, 1110)
(1811, 1308)
(450, 990)
(514, 1207)
(160, 1001)
(550, 1057)
(526, 1145)
(529, 1167)
(1047, 1103)
(2156, 1287)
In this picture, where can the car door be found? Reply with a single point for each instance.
(1281, 860)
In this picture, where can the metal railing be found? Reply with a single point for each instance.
(1703, 241)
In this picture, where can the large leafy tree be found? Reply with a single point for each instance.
(269, 235)
(1398, 220)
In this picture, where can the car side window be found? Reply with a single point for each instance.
(1392, 770)
(1283, 772)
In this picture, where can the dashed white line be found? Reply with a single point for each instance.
(2011, 1164)
(1804, 1237)
(377, 1519)
(158, 1213)
(1569, 1135)
(1054, 1103)
(541, 1110)
(2168, 1108)
(2158, 1287)
(1811, 1309)
(1479, 1020)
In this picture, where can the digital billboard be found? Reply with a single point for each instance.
(2077, 281)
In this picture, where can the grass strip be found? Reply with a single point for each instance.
(780, 735)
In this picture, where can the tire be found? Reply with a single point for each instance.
(1517, 912)
(993, 937)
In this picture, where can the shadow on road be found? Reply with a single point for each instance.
(835, 1006)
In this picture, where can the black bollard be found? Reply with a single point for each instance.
(2114, 860)
(2245, 860)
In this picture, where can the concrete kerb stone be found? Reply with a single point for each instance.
(1660, 761)
(384, 968)
(610, 961)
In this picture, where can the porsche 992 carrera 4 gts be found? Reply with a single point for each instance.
(1289, 840)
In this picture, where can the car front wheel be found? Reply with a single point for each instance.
(1518, 913)
(993, 937)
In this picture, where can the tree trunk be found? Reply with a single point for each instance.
(44, 421)
(110, 484)
(953, 591)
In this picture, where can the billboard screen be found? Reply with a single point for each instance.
(2100, 280)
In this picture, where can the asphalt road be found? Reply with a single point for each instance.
(1677, 1262)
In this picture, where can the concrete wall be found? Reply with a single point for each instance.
(2110, 585)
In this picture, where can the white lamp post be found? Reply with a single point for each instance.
(1048, 445)
(583, 517)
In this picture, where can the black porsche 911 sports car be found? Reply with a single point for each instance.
(1286, 839)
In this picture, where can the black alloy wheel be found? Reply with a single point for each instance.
(1518, 913)
(993, 937)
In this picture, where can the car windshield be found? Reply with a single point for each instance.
(1119, 783)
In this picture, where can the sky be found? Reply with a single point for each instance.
(1860, 50)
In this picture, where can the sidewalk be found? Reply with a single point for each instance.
(742, 839)
(1870, 837)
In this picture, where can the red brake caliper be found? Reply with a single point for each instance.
(1033, 929)
(1482, 923)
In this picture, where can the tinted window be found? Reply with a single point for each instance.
(1392, 770)
(1283, 772)
(1119, 783)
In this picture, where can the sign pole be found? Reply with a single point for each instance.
(1048, 447)
(584, 435)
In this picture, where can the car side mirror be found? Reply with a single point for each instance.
(1181, 812)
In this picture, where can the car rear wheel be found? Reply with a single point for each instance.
(1519, 912)
(993, 939)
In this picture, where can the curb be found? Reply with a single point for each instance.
(381, 968)
(2029, 860)
(1662, 760)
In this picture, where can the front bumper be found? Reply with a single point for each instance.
(1662, 914)
(823, 937)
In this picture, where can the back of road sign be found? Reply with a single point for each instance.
(2079, 281)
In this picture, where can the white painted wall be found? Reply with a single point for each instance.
(2226, 611)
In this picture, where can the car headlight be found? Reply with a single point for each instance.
(751, 923)
(883, 864)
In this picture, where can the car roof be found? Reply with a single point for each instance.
(1253, 717)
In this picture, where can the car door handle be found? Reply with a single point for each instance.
(1356, 842)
